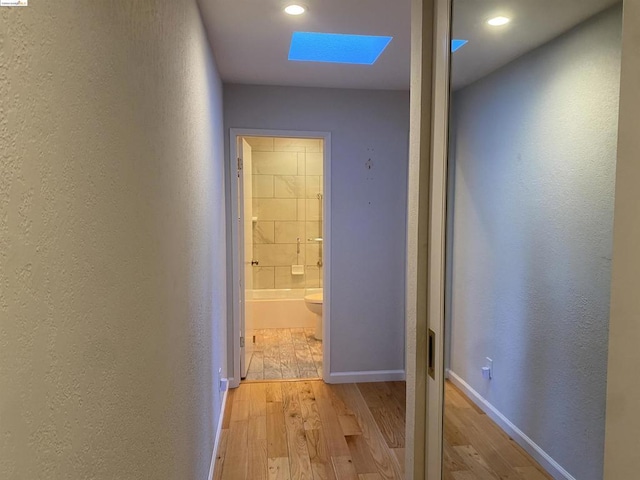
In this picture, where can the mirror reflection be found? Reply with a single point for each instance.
(533, 132)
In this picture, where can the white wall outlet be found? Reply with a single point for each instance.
(221, 382)
(487, 370)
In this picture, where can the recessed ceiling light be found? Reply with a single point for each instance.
(498, 21)
(295, 9)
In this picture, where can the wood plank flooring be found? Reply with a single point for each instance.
(309, 430)
(475, 448)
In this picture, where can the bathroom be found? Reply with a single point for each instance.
(282, 185)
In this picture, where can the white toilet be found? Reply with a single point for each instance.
(314, 304)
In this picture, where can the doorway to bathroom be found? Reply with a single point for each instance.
(280, 237)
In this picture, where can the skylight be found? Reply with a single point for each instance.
(337, 48)
(458, 44)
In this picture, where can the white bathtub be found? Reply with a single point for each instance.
(279, 308)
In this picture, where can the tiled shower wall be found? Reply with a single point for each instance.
(287, 178)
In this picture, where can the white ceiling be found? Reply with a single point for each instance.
(251, 38)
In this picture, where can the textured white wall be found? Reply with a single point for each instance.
(535, 147)
(368, 207)
(112, 244)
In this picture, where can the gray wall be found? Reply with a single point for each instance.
(112, 241)
(368, 207)
(535, 152)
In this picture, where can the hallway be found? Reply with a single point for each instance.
(312, 430)
(497, 211)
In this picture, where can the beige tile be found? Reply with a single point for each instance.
(322, 145)
(282, 144)
(315, 148)
(256, 364)
(321, 273)
(255, 375)
(313, 229)
(312, 276)
(267, 209)
(286, 341)
(313, 210)
(302, 164)
(289, 186)
(272, 370)
(313, 186)
(263, 232)
(310, 374)
(270, 255)
(291, 148)
(312, 253)
(304, 357)
(289, 232)
(262, 186)
(298, 337)
(275, 163)
(302, 209)
(284, 279)
(260, 144)
(290, 372)
(263, 277)
(314, 164)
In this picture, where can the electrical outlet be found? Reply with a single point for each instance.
(487, 370)
(221, 382)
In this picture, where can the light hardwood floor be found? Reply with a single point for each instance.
(475, 448)
(313, 431)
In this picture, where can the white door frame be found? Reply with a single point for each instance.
(234, 370)
(245, 162)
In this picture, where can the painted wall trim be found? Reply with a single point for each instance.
(234, 374)
(437, 230)
(554, 468)
(216, 444)
(367, 376)
(418, 190)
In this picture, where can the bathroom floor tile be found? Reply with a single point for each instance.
(257, 363)
(284, 353)
(255, 376)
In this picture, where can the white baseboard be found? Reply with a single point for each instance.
(365, 377)
(216, 443)
(532, 448)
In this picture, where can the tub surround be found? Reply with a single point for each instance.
(287, 184)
